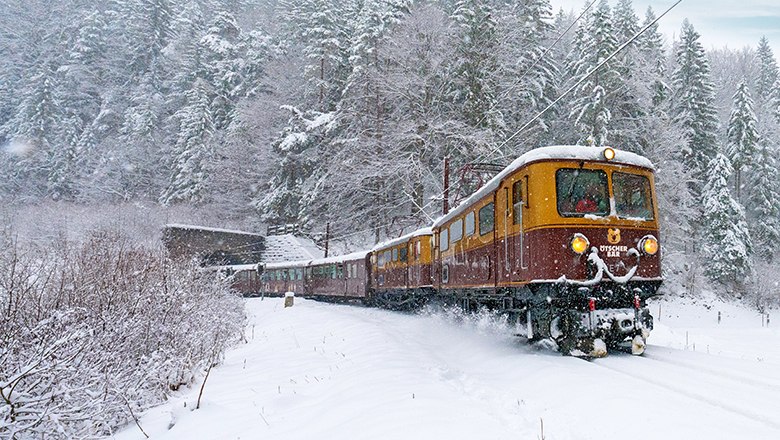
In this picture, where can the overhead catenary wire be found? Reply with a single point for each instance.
(585, 10)
(557, 100)
(542, 112)
(588, 75)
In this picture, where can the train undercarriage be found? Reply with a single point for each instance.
(582, 321)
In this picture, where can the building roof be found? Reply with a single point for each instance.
(288, 247)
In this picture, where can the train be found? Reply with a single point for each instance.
(564, 241)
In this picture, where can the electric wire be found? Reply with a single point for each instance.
(438, 196)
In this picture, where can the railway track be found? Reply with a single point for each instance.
(753, 397)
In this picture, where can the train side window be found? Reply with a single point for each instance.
(340, 271)
(456, 231)
(517, 201)
(444, 239)
(470, 223)
(486, 219)
(395, 254)
(403, 255)
(388, 255)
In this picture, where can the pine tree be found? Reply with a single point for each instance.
(595, 42)
(298, 158)
(528, 79)
(764, 203)
(653, 58)
(193, 150)
(628, 108)
(767, 72)
(742, 134)
(693, 105)
(475, 84)
(728, 244)
(320, 27)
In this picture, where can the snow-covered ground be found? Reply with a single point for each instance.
(324, 371)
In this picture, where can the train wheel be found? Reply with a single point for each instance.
(560, 331)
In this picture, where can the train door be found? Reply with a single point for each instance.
(411, 267)
(518, 243)
(503, 233)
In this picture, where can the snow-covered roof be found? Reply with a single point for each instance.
(288, 247)
(403, 238)
(359, 255)
(559, 152)
(204, 228)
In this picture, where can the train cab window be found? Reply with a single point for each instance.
(517, 202)
(486, 219)
(380, 259)
(340, 271)
(299, 274)
(456, 231)
(403, 255)
(632, 196)
(417, 249)
(444, 239)
(395, 254)
(470, 223)
(582, 192)
(388, 256)
(332, 272)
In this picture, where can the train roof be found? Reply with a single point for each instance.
(402, 239)
(557, 152)
(359, 255)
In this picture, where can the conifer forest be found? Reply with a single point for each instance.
(263, 112)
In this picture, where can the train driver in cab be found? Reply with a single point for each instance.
(592, 199)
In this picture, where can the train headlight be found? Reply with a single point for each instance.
(579, 244)
(649, 245)
(609, 153)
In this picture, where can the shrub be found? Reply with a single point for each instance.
(93, 333)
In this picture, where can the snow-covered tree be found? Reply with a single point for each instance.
(595, 42)
(727, 243)
(322, 30)
(742, 135)
(193, 151)
(651, 47)
(763, 203)
(693, 106)
(767, 72)
(475, 65)
(528, 75)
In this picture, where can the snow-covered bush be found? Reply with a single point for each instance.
(93, 333)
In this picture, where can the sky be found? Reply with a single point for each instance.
(720, 23)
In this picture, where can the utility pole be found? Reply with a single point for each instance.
(446, 206)
(327, 238)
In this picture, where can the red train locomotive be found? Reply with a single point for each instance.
(564, 240)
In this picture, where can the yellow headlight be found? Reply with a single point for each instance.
(650, 245)
(579, 244)
(609, 153)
